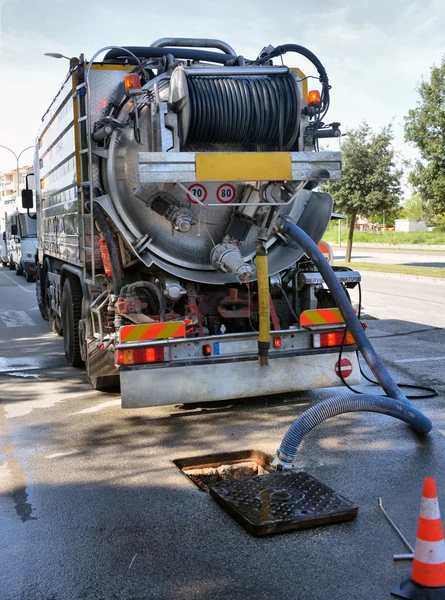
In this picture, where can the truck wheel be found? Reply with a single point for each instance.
(29, 277)
(4, 264)
(19, 270)
(40, 292)
(71, 315)
(54, 320)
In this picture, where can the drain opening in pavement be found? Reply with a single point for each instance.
(264, 501)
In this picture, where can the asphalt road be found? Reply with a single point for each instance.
(92, 507)
(423, 258)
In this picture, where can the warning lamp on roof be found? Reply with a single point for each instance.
(313, 97)
(132, 84)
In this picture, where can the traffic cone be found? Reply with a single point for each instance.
(428, 575)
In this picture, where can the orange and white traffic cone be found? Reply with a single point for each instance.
(428, 575)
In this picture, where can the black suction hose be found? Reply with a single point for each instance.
(117, 276)
(155, 52)
(395, 405)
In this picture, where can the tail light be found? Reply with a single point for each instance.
(207, 350)
(140, 356)
(277, 342)
(334, 338)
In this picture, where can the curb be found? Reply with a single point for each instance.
(408, 277)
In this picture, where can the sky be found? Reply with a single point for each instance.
(375, 52)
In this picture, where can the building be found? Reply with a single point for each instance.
(410, 225)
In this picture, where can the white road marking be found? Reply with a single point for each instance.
(26, 289)
(426, 359)
(59, 454)
(16, 318)
(99, 407)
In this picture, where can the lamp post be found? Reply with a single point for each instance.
(17, 158)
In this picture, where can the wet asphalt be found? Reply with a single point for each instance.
(92, 506)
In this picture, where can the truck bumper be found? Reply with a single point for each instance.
(155, 385)
(29, 268)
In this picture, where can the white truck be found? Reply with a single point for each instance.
(21, 244)
(161, 172)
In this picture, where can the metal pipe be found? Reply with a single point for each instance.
(237, 71)
(263, 303)
(396, 529)
(194, 43)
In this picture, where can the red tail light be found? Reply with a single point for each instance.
(140, 356)
(334, 338)
(277, 342)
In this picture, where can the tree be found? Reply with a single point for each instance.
(425, 128)
(414, 208)
(370, 179)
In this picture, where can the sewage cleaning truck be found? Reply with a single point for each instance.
(161, 175)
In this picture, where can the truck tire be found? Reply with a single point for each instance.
(29, 277)
(71, 315)
(40, 292)
(19, 270)
(54, 320)
(4, 263)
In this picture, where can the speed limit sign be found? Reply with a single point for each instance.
(199, 191)
(226, 193)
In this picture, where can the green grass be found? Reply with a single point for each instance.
(400, 269)
(388, 237)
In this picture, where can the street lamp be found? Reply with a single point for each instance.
(17, 158)
(74, 61)
(56, 55)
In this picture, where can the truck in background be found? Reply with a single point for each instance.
(21, 240)
(161, 173)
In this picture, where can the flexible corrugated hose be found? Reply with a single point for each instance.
(396, 405)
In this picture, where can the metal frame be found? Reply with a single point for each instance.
(89, 148)
(194, 43)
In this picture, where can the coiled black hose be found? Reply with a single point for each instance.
(255, 109)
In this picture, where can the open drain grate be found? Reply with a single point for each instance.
(281, 501)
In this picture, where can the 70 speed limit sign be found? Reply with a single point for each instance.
(225, 193)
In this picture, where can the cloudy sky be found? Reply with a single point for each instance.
(375, 52)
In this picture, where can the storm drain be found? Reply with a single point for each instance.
(213, 468)
(264, 501)
(281, 501)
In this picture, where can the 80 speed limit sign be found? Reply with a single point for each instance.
(226, 193)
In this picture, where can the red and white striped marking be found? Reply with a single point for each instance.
(346, 368)
(429, 555)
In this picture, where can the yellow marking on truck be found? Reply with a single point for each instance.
(248, 166)
(152, 331)
(323, 316)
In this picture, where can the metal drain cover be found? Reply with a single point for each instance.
(281, 501)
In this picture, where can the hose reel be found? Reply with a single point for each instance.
(246, 109)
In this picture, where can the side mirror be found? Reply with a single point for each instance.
(27, 199)
(14, 229)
